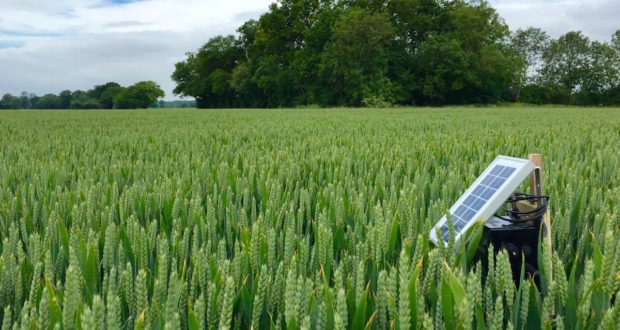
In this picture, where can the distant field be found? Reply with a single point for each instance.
(311, 218)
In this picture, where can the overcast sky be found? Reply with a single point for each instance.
(50, 45)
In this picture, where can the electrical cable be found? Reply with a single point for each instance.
(516, 216)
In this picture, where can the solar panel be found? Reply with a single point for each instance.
(487, 194)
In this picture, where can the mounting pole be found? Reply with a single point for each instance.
(536, 188)
(535, 182)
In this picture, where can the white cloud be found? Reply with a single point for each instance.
(51, 45)
(597, 19)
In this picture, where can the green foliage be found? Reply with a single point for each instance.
(106, 94)
(355, 61)
(138, 96)
(81, 100)
(295, 219)
(49, 101)
(207, 75)
(9, 101)
(405, 52)
(529, 45)
(566, 61)
(141, 95)
(356, 53)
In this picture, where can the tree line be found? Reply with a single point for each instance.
(405, 52)
(107, 96)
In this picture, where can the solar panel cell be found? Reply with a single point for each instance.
(469, 201)
(444, 232)
(507, 172)
(497, 169)
(487, 180)
(497, 183)
(469, 215)
(478, 204)
(488, 193)
(460, 211)
(478, 191)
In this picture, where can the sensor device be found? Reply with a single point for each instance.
(484, 197)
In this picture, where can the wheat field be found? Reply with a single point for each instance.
(295, 219)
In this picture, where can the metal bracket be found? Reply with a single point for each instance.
(537, 174)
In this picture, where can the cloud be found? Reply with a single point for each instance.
(124, 24)
(597, 19)
(80, 62)
(10, 44)
(48, 46)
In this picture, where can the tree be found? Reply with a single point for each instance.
(285, 55)
(615, 41)
(577, 71)
(138, 96)
(49, 101)
(613, 94)
(25, 100)
(529, 46)
(10, 102)
(467, 61)
(206, 75)
(566, 62)
(602, 73)
(105, 94)
(246, 92)
(415, 21)
(81, 100)
(65, 99)
(34, 99)
(330, 52)
(355, 62)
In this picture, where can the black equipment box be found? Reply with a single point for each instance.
(520, 240)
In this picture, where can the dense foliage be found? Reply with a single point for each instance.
(380, 52)
(107, 96)
(312, 219)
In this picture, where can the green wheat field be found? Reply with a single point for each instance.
(296, 218)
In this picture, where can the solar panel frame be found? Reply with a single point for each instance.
(509, 172)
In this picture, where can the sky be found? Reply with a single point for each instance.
(47, 46)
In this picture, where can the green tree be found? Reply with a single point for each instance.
(10, 102)
(566, 62)
(406, 51)
(415, 21)
(602, 73)
(81, 100)
(276, 40)
(65, 99)
(206, 75)
(468, 62)
(25, 102)
(529, 45)
(246, 92)
(105, 94)
(138, 96)
(355, 62)
(49, 101)
(615, 41)
(613, 94)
